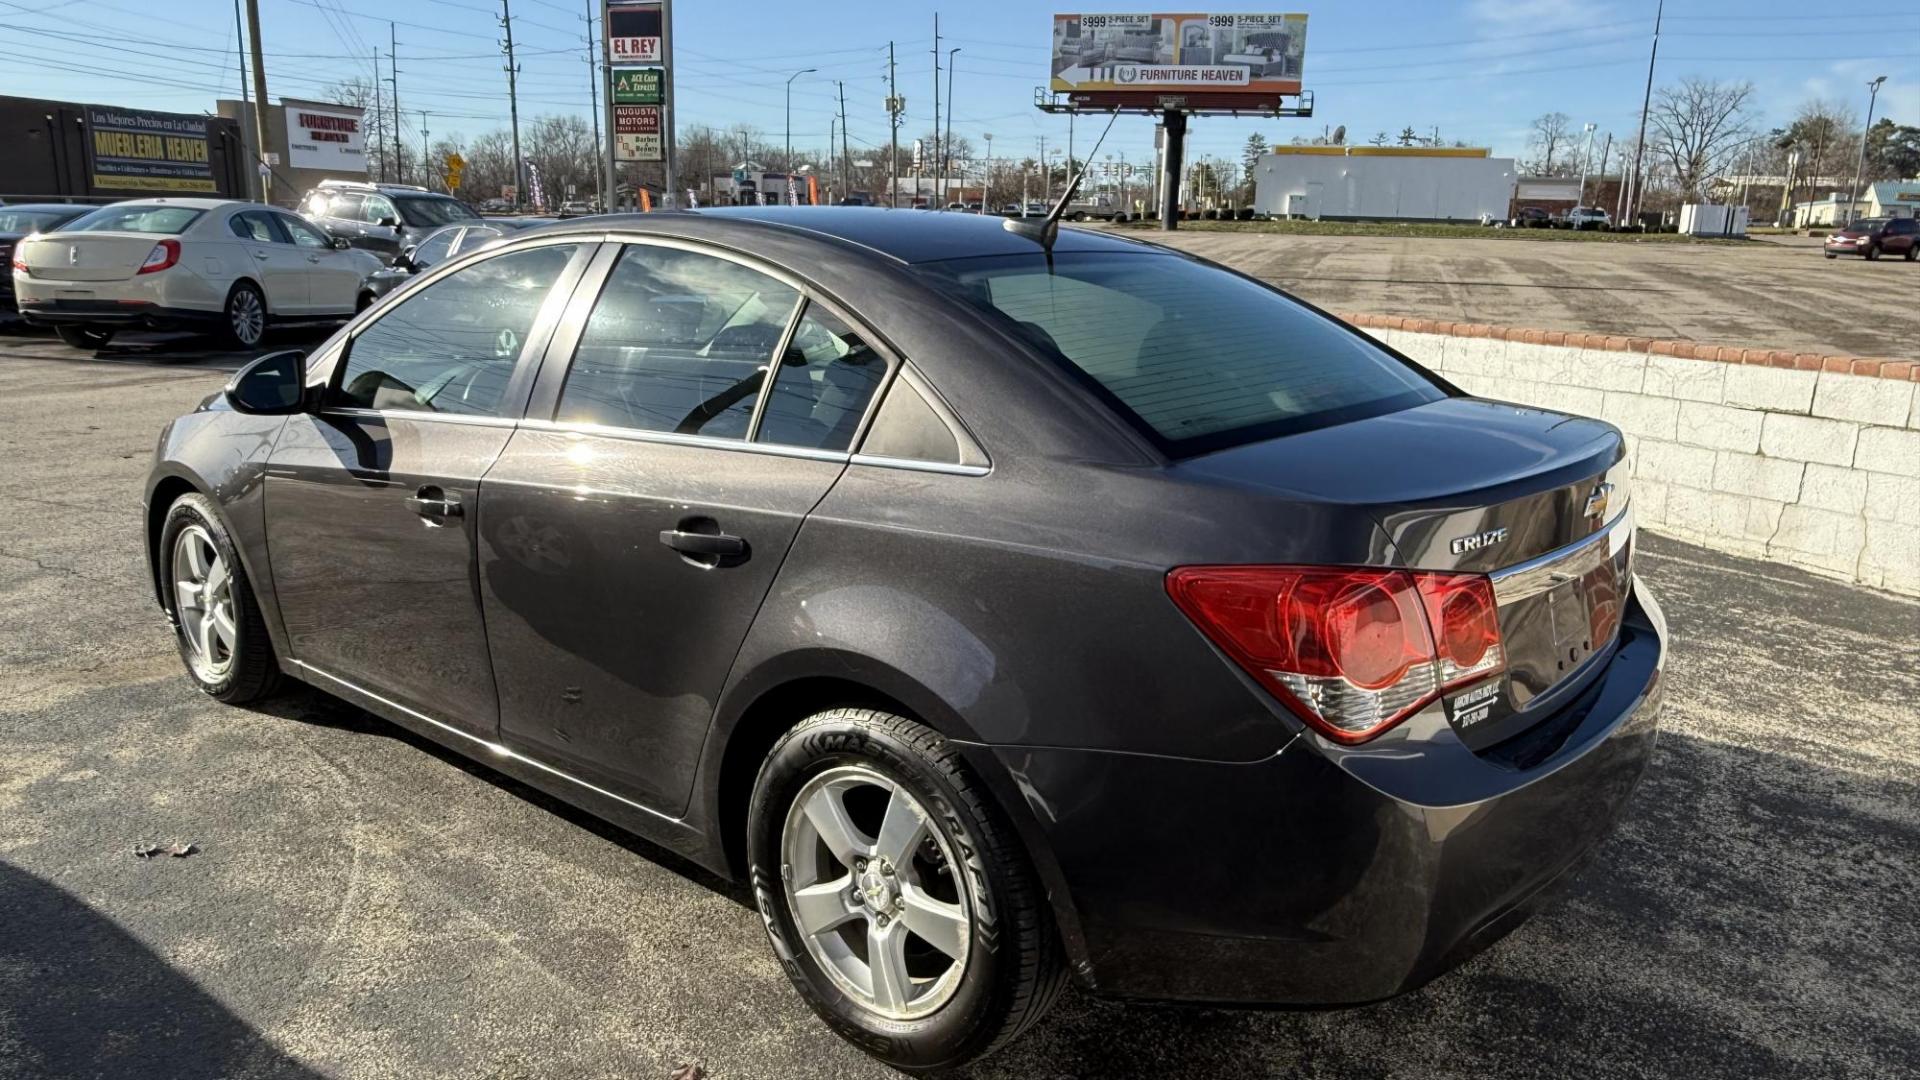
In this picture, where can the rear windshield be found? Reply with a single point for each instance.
(1196, 357)
(137, 217)
(29, 221)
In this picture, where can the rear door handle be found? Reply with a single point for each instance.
(694, 543)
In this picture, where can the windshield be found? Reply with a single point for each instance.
(29, 221)
(431, 213)
(137, 217)
(1868, 224)
(1195, 356)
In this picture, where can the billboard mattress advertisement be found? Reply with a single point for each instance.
(1175, 53)
(330, 137)
(138, 150)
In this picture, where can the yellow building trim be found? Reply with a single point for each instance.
(1421, 151)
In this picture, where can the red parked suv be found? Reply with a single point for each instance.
(1872, 237)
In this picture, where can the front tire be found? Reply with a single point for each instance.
(89, 338)
(1872, 253)
(218, 625)
(246, 316)
(896, 895)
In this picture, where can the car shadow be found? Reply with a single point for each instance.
(81, 996)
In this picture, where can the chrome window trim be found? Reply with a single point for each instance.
(914, 465)
(1543, 572)
(674, 438)
(354, 412)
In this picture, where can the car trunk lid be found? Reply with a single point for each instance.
(90, 256)
(1533, 498)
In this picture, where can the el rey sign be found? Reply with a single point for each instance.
(633, 32)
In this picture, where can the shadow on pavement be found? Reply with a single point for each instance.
(80, 996)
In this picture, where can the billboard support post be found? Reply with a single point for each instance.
(1175, 123)
(671, 197)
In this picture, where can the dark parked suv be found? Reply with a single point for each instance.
(382, 218)
(1871, 238)
(1001, 615)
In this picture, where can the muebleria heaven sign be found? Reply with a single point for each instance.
(138, 150)
(322, 136)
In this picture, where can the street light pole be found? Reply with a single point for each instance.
(1586, 159)
(790, 78)
(946, 144)
(986, 181)
(1860, 167)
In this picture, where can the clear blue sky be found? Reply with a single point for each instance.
(1478, 69)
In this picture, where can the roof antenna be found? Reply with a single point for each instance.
(1047, 229)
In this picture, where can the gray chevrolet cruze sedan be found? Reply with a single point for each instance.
(1005, 613)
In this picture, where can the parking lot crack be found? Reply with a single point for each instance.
(52, 568)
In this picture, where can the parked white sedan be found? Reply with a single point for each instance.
(169, 264)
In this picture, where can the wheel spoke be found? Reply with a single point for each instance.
(203, 638)
(187, 595)
(819, 908)
(829, 817)
(196, 558)
(901, 830)
(217, 576)
(222, 619)
(938, 923)
(887, 959)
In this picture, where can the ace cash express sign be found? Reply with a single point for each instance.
(633, 32)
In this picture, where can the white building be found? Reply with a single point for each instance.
(1384, 183)
(1888, 198)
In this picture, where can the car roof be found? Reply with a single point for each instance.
(41, 207)
(909, 236)
(189, 203)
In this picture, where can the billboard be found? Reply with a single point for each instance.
(139, 150)
(330, 137)
(1178, 54)
(636, 133)
(633, 32)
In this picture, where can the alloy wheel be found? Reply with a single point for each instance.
(203, 602)
(871, 885)
(245, 314)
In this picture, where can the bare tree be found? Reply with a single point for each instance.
(1823, 134)
(358, 92)
(1550, 135)
(1699, 126)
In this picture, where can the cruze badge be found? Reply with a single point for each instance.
(1597, 502)
(1463, 544)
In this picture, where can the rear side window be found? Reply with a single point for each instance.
(452, 346)
(825, 379)
(1194, 356)
(253, 227)
(678, 341)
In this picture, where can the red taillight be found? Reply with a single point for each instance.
(19, 260)
(1352, 650)
(164, 254)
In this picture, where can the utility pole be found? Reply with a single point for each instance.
(1859, 168)
(1046, 176)
(426, 152)
(380, 118)
(986, 179)
(947, 144)
(846, 159)
(937, 148)
(259, 100)
(895, 107)
(601, 197)
(513, 105)
(669, 149)
(393, 81)
(1646, 103)
(250, 171)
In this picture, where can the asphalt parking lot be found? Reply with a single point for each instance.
(1771, 292)
(364, 904)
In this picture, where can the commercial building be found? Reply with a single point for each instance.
(1888, 198)
(98, 153)
(307, 142)
(1384, 183)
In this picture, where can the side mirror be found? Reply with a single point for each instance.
(340, 243)
(389, 222)
(405, 261)
(274, 385)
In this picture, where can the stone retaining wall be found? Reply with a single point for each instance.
(1808, 459)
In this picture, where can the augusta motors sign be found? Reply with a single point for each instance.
(328, 137)
(633, 31)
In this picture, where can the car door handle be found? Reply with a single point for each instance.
(431, 503)
(695, 543)
(313, 258)
(261, 255)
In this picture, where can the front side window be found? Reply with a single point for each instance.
(479, 236)
(137, 217)
(435, 248)
(378, 210)
(423, 213)
(1194, 356)
(31, 221)
(679, 341)
(822, 386)
(304, 235)
(452, 346)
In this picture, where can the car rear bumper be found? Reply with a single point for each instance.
(1317, 878)
(113, 314)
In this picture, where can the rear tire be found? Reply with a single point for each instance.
(964, 880)
(1913, 252)
(246, 316)
(1831, 255)
(84, 337)
(218, 625)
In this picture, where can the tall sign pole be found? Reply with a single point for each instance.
(259, 101)
(672, 195)
(639, 90)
